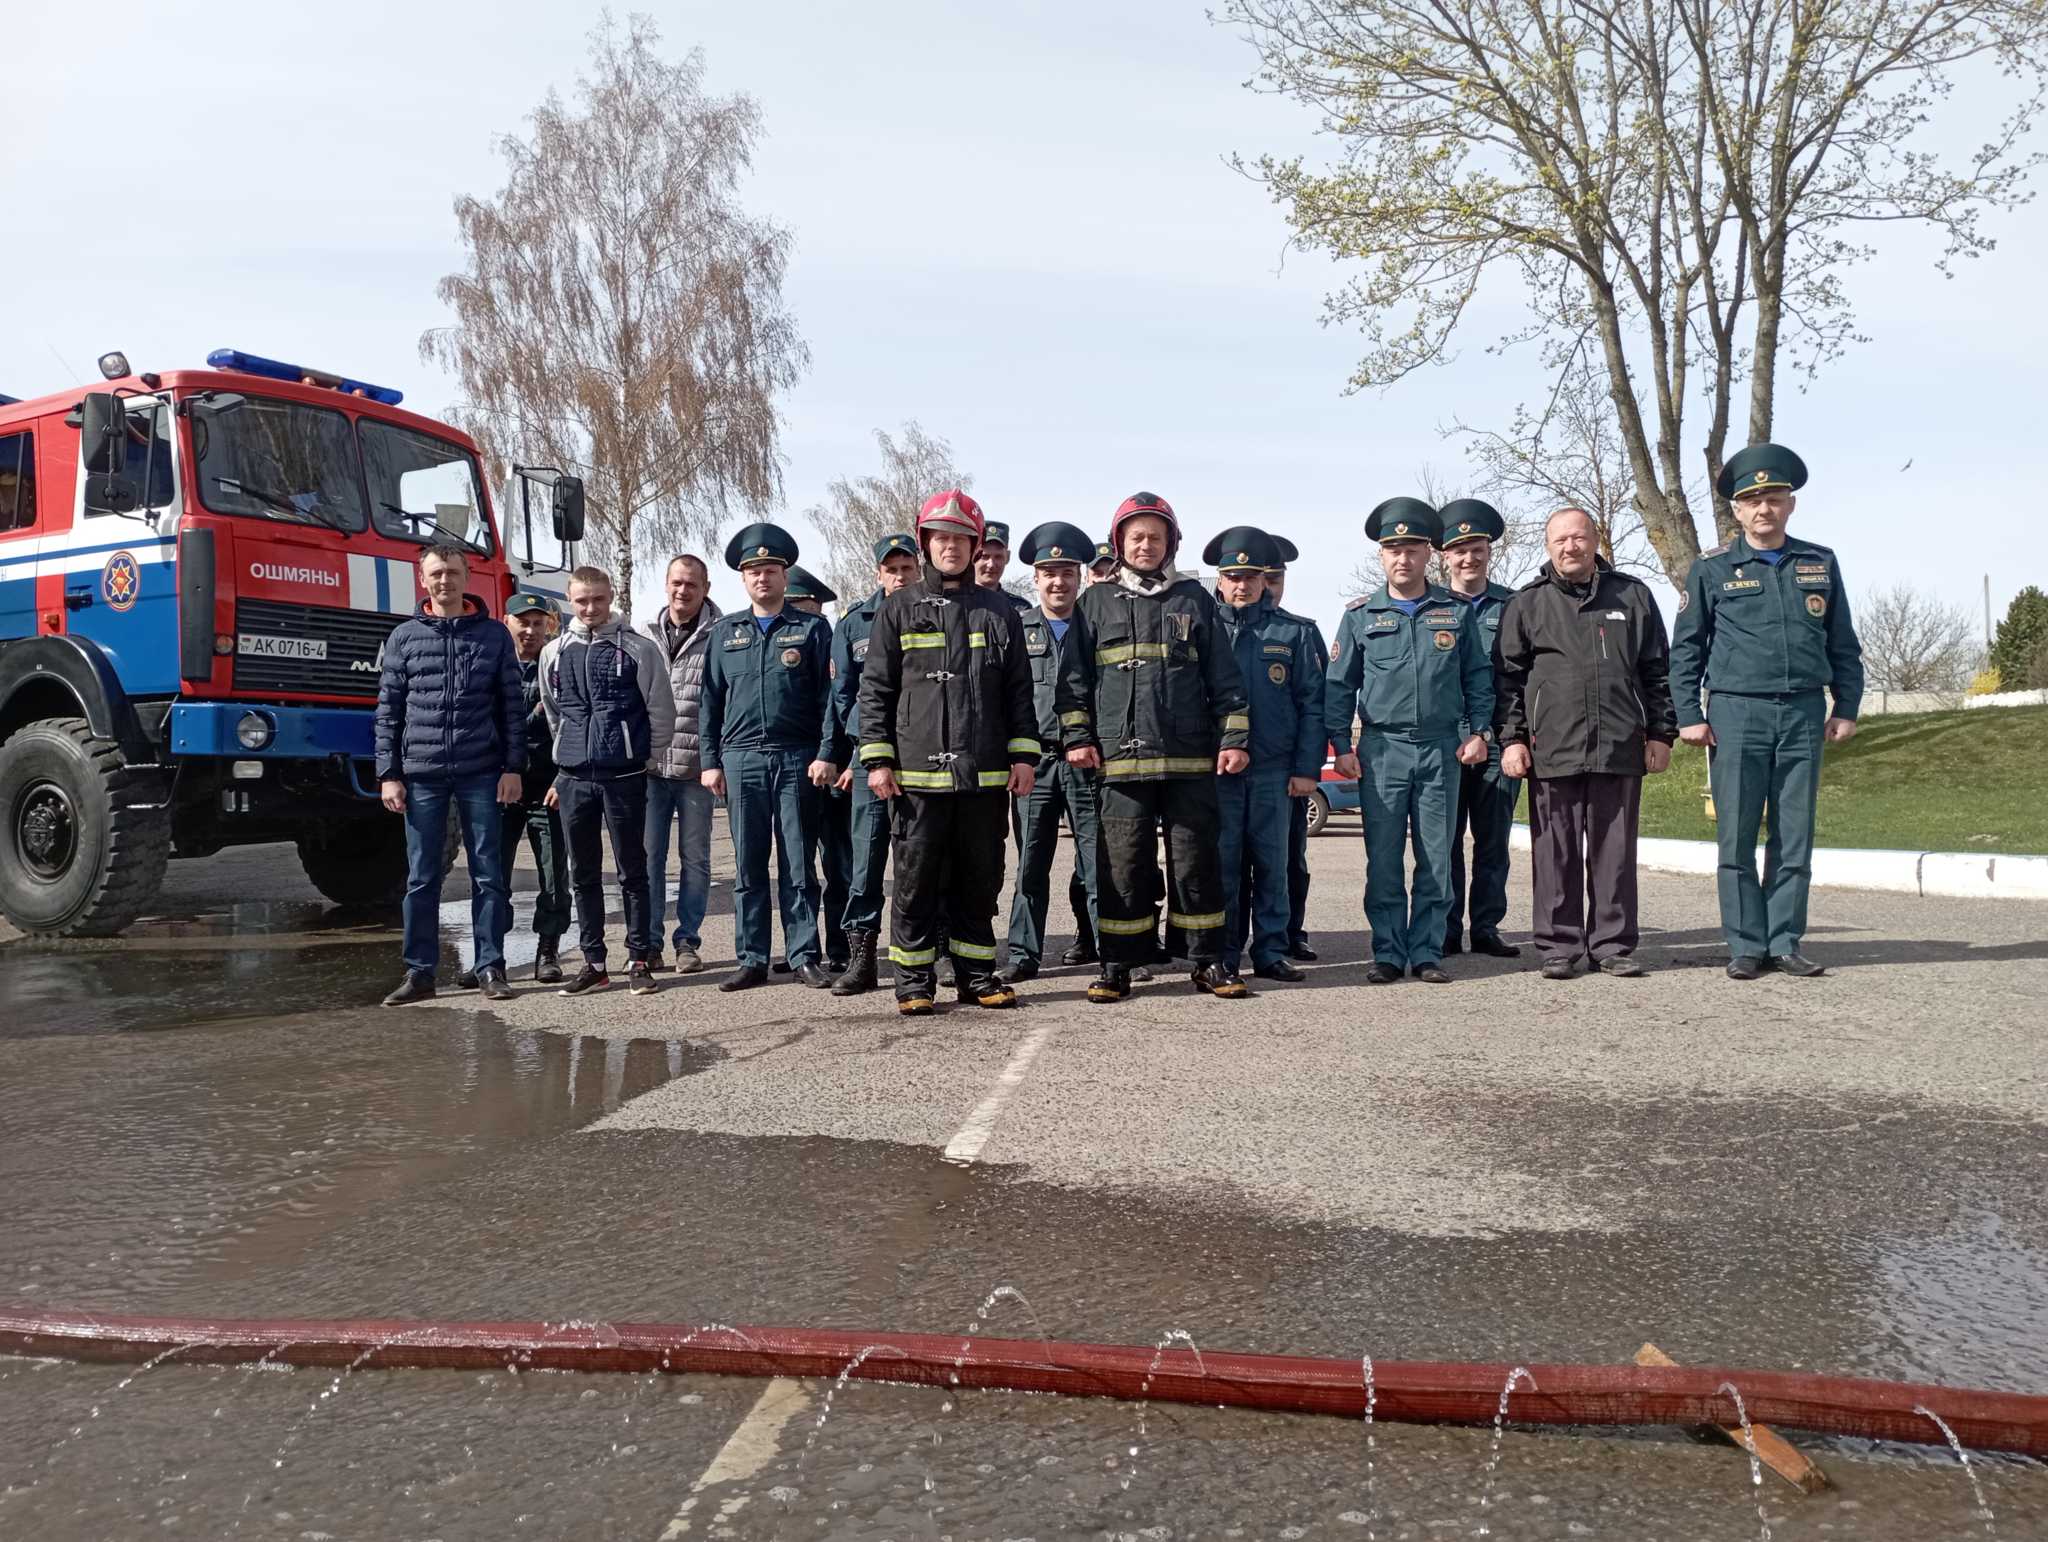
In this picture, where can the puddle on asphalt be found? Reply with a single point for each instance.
(135, 1165)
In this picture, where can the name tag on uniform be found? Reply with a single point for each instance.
(739, 638)
(1035, 640)
(1439, 618)
(1280, 650)
(1738, 585)
(1811, 575)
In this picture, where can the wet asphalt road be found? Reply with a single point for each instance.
(212, 1116)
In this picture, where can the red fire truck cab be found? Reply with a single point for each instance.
(198, 571)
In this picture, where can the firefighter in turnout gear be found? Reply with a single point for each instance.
(1276, 655)
(1408, 664)
(949, 733)
(1055, 553)
(1150, 694)
(896, 564)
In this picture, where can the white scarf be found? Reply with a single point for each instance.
(1147, 584)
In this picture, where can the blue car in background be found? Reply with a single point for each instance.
(1333, 795)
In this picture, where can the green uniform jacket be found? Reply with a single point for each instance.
(1043, 648)
(1752, 629)
(849, 657)
(1149, 681)
(1426, 676)
(766, 692)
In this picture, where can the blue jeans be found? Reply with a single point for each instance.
(474, 800)
(669, 800)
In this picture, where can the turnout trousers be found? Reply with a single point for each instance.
(1409, 790)
(1486, 804)
(770, 803)
(591, 809)
(1582, 835)
(1251, 849)
(1128, 886)
(835, 864)
(868, 856)
(1765, 763)
(1063, 792)
(949, 880)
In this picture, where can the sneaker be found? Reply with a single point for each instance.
(687, 960)
(494, 984)
(591, 977)
(1560, 968)
(418, 985)
(1622, 967)
(653, 961)
(640, 978)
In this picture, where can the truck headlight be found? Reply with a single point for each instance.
(254, 731)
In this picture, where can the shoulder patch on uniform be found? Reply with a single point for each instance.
(1354, 604)
(1716, 551)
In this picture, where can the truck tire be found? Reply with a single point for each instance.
(78, 858)
(363, 866)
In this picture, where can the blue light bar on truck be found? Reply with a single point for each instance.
(256, 364)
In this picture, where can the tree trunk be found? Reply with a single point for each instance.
(1667, 521)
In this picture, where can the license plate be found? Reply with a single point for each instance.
(256, 645)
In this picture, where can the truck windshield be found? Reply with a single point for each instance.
(423, 489)
(279, 460)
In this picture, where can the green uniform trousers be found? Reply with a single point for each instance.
(1409, 789)
(1060, 791)
(1766, 759)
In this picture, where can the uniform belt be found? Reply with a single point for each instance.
(1803, 691)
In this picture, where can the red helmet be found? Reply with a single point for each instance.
(950, 510)
(1144, 503)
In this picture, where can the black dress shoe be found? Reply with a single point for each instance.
(1382, 974)
(815, 975)
(494, 984)
(418, 985)
(1301, 953)
(781, 966)
(1279, 969)
(1017, 973)
(1744, 968)
(1797, 965)
(1079, 953)
(1622, 967)
(1431, 974)
(1493, 946)
(749, 977)
(1454, 942)
(1220, 980)
(467, 980)
(1560, 968)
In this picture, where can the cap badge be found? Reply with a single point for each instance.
(1055, 552)
(1400, 529)
(760, 551)
(1761, 476)
(1465, 529)
(1242, 557)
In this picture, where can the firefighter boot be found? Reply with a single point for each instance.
(860, 970)
(1220, 980)
(984, 990)
(1113, 984)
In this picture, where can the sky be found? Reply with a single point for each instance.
(1016, 225)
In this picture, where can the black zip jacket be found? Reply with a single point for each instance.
(1150, 681)
(945, 691)
(1583, 680)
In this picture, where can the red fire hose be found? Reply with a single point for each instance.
(1415, 1391)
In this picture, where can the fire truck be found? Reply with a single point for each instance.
(198, 572)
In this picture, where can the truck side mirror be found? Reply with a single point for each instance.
(101, 431)
(568, 504)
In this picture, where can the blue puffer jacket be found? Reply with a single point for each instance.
(449, 705)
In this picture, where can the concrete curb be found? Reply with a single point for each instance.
(1929, 874)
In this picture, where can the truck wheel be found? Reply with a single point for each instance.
(1318, 812)
(76, 858)
(363, 865)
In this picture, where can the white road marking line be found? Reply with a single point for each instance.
(748, 1450)
(966, 1146)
